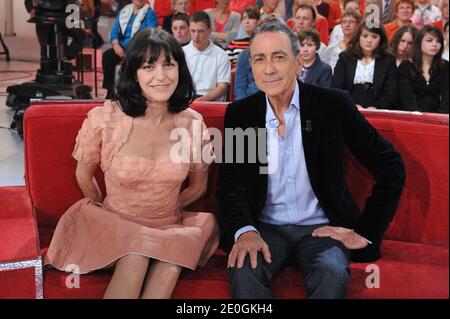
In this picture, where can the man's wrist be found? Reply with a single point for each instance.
(243, 230)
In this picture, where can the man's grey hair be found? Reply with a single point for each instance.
(278, 26)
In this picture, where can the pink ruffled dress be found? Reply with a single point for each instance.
(139, 215)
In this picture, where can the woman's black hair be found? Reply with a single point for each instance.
(354, 48)
(407, 28)
(417, 49)
(145, 47)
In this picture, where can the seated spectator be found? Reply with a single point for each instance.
(305, 16)
(224, 23)
(208, 64)
(423, 82)
(349, 26)
(314, 71)
(337, 35)
(425, 13)
(178, 6)
(404, 10)
(366, 70)
(402, 43)
(180, 28)
(249, 22)
(445, 51)
(244, 82)
(132, 18)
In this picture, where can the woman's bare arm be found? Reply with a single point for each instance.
(87, 182)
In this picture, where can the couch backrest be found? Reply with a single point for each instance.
(422, 139)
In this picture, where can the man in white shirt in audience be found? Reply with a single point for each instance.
(209, 65)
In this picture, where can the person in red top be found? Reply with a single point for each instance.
(334, 16)
(162, 8)
(240, 5)
(197, 5)
(404, 10)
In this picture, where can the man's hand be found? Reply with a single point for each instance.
(118, 49)
(348, 237)
(248, 243)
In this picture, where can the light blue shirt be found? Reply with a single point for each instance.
(290, 198)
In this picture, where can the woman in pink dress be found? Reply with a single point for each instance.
(147, 142)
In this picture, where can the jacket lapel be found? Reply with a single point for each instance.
(259, 122)
(377, 76)
(311, 127)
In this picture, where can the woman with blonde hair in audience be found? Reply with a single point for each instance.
(224, 23)
(401, 44)
(367, 70)
(349, 24)
(337, 35)
(423, 81)
(404, 10)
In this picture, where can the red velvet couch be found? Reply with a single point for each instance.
(414, 261)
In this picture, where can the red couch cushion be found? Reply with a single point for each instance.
(422, 139)
(407, 270)
(19, 238)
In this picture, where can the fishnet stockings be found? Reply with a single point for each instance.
(161, 280)
(129, 274)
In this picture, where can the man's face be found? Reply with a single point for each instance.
(274, 65)
(199, 34)
(304, 19)
(307, 50)
(180, 31)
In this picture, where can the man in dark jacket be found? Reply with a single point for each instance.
(299, 206)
